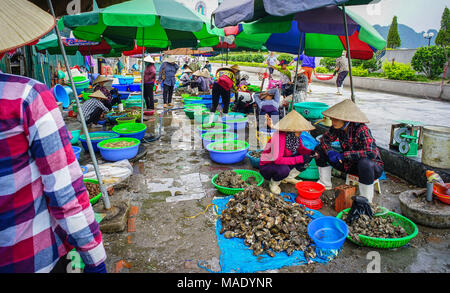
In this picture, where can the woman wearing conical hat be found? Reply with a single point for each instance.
(284, 156)
(360, 155)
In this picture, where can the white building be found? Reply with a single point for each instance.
(203, 7)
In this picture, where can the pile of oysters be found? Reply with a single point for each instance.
(379, 227)
(267, 223)
(231, 179)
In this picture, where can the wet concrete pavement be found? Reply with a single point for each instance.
(168, 239)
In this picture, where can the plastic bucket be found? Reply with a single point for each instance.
(122, 153)
(120, 87)
(328, 232)
(61, 95)
(254, 161)
(75, 136)
(76, 151)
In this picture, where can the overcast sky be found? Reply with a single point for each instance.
(421, 15)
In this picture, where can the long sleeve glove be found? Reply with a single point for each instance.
(335, 156)
(359, 207)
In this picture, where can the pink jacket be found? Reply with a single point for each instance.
(276, 152)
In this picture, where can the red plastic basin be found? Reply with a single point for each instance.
(442, 197)
(309, 189)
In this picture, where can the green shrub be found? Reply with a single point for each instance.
(258, 58)
(360, 71)
(429, 60)
(322, 70)
(329, 63)
(286, 57)
(399, 71)
(371, 65)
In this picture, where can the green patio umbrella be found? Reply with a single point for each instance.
(152, 23)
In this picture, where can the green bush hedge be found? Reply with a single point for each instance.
(360, 71)
(430, 60)
(286, 57)
(322, 70)
(399, 71)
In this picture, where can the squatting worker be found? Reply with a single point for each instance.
(284, 155)
(226, 81)
(149, 82)
(99, 85)
(167, 79)
(360, 155)
(93, 109)
(44, 206)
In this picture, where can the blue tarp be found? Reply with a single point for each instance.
(236, 257)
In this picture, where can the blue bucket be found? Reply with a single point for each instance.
(61, 95)
(328, 232)
(254, 161)
(76, 151)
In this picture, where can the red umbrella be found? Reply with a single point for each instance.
(102, 48)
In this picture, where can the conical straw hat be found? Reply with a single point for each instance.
(22, 22)
(149, 59)
(346, 111)
(98, 94)
(197, 73)
(293, 122)
(101, 78)
(187, 70)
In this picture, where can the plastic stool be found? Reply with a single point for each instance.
(354, 180)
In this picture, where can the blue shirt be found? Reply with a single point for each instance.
(170, 69)
(307, 61)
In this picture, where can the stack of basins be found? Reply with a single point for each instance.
(81, 82)
(309, 194)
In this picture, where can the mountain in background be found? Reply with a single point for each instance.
(410, 39)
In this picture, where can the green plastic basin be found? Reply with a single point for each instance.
(311, 110)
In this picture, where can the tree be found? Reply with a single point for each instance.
(443, 37)
(393, 40)
(429, 60)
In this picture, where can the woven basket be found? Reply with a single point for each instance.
(406, 223)
(244, 174)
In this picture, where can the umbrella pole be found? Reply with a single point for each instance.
(296, 70)
(142, 78)
(103, 190)
(348, 54)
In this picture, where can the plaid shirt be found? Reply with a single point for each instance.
(356, 143)
(90, 106)
(44, 206)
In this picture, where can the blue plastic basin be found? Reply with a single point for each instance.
(328, 232)
(61, 95)
(206, 142)
(139, 135)
(76, 151)
(114, 155)
(134, 87)
(229, 120)
(120, 87)
(229, 157)
(94, 141)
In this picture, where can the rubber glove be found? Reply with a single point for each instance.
(359, 207)
(100, 269)
(335, 156)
